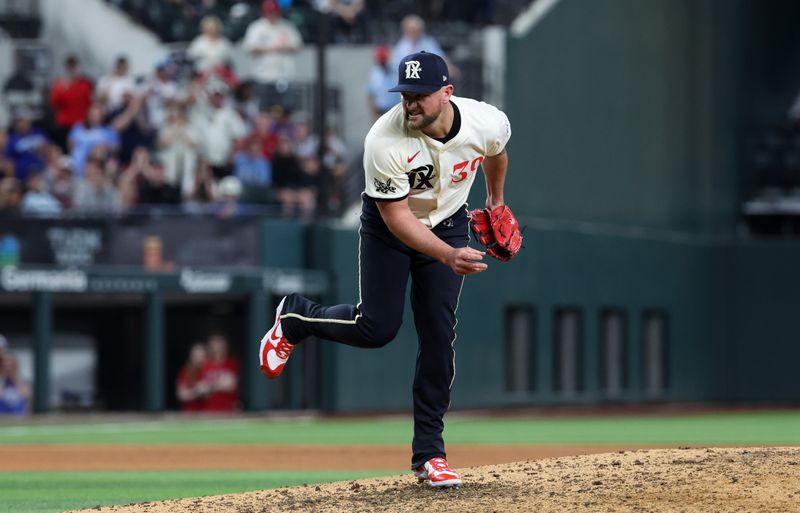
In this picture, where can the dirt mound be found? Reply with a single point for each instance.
(669, 480)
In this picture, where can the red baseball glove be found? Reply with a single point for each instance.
(498, 230)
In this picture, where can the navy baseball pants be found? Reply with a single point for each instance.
(385, 264)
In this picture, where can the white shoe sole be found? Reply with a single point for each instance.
(450, 483)
(265, 340)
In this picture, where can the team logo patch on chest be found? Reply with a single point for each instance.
(421, 178)
(385, 188)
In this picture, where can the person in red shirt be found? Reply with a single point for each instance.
(190, 388)
(70, 98)
(221, 373)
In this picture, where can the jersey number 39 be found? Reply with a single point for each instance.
(460, 172)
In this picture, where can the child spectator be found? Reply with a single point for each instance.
(190, 389)
(70, 98)
(221, 372)
(37, 200)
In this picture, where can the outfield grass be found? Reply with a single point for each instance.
(50, 492)
(734, 428)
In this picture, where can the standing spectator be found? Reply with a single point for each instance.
(178, 143)
(26, 145)
(349, 19)
(94, 193)
(381, 79)
(251, 166)
(246, 102)
(210, 49)
(273, 43)
(15, 393)
(190, 389)
(85, 137)
(131, 122)
(154, 188)
(294, 184)
(112, 87)
(159, 91)
(414, 40)
(37, 200)
(10, 197)
(19, 91)
(222, 128)
(70, 98)
(221, 372)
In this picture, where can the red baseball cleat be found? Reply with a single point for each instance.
(275, 349)
(438, 473)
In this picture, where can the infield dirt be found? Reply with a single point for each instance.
(657, 481)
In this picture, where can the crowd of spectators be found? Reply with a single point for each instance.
(207, 143)
(209, 380)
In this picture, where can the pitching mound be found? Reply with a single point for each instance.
(668, 480)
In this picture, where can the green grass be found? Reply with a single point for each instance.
(772, 428)
(50, 492)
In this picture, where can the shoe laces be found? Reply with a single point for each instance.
(440, 465)
(284, 349)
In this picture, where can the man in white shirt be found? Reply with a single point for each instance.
(111, 88)
(420, 160)
(221, 128)
(273, 44)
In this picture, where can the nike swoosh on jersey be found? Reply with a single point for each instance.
(412, 157)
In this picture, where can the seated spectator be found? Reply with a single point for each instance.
(265, 135)
(154, 188)
(70, 99)
(294, 185)
(10, 197)
(221, 372)
(179, 142)
(203, 190)
(130, 121)
(112, 87)
(58, 176)
(334, 163)
(26, 145)
(85, 137)
(221, 129)
(6, 164)
(38, 201)
(210, 49)
(94, 193)
(251, 166)
(15, 393)
(229, 193)
(381, 78)
(190, 389)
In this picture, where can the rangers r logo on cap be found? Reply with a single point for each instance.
(412, 69)
(421, 73)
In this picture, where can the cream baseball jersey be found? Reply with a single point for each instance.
(436, 177)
